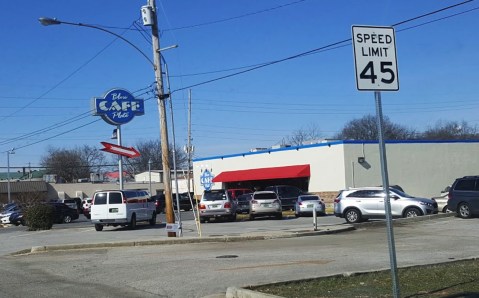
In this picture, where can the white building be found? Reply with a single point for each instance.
(421, 168)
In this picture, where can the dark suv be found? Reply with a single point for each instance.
(464, 196)
(287, 194)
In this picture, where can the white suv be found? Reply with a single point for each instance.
(216, 203)
(357, 204)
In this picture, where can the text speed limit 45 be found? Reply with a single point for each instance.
(375, 58)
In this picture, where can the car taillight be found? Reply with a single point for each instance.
(299, 203)
(202, 206)
(227, 205)
(337, 200)
(449, 196)
(157, 203)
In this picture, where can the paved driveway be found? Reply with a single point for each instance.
(196, 270)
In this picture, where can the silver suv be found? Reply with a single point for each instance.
(216, 203)
(357, 204)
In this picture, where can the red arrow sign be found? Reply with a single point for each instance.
(124, 151)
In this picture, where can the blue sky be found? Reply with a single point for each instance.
(50, 74)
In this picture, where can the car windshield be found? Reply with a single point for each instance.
(214, 196)
(265, 196)
(310, 198)
(400, 193)
(244, 198)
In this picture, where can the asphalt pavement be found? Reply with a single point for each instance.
(201, 269)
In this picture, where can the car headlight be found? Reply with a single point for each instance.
(427, 204)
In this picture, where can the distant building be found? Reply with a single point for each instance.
(421, 168)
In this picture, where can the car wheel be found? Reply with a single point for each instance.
(233, 217)
(67, 219)
(202, 220)
(153, 219)
(296, 213)
(98, 227)
(463, 210)
(133, 222)
(444, 210)
(279, 216)
(412, 212)
(251, 217)
(352, 216)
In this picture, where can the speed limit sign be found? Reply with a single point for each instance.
(375, 58)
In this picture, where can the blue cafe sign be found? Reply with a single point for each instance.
(118, 107)
(206, 179)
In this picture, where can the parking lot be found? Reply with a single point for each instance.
(82, 231)
(199, 269)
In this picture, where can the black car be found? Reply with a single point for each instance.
(62, 213)
(464, 196)
(184, 198)
(159, 203)
(287, 194)
(16, 218)
(243, 203)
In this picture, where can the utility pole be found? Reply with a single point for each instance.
(170, 218)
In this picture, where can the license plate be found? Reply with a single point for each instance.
(310, 205)
(266, 205)
(113, 210)
(215, 206)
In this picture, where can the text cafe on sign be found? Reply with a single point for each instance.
(375, 58)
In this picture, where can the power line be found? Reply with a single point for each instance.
(331, 46)
(257, 66)
(235, 17)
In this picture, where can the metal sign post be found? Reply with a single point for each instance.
(376, 70)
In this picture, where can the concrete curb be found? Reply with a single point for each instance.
(234, 292)
(272, 235)
(325, 230)
(402, 221)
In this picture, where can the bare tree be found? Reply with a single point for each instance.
(305, 133)
(151, 150)
(451, 130)
(93, 157)
(72, 164)
(65, 163)
(365, 128)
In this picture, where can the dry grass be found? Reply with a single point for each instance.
(454, 279)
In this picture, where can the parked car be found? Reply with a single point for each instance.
(86, 203)
(357, 204)
(184, 198)
(72, 203)
(159, 201)
(441, 200)
(7, 211)
(185, 203)
(16, 218)
(265, 203)
(86, 207)
(307, 204)
(243, 202)
(287, 194)
(235, 192)
(217, 204)
(464, 196)
(62, 213)
(122, 208)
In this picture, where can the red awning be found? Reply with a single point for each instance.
(297, 171)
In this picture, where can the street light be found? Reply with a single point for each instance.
(160, 101)
(12, 151)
